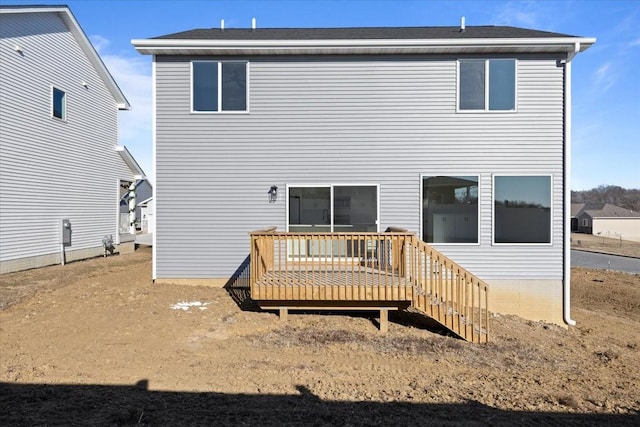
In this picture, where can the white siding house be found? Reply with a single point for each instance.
(460, 136)
(59, 154)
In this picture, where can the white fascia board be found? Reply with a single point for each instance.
(374, 46)
(131, 162)
(121, 101)
(85, 44)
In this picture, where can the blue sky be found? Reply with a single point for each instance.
(606, 88)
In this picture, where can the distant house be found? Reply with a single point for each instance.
(142, 191)
(576, 208)
(460, 135)
(60, 162)
(608, 220)
(147, 220)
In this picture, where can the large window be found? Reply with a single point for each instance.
(58, 104)
(450, 209)
(522, 209)
(219, 86)
(487, 85)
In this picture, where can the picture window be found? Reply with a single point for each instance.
(522, 209)
(450, 209)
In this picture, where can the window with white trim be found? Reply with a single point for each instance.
(487, 84)
(218, 86)
(522, 209)
(585, 223)
(58, 104)
(450, 209)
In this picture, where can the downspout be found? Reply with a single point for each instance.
(566, 314)
(154, 263)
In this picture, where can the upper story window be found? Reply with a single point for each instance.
(58, 104)
(218, 86)
(487, 85)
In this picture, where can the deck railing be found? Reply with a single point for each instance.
(393, 266)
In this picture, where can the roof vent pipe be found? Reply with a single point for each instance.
(462, 25)
(222, 24)
(253, 23)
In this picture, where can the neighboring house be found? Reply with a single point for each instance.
(608, 220)
(59, 155)
(147, 220)
(460, 135)
(576, 208)
(142, 191)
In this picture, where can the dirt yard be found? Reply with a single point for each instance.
(607, 245)
(95, 343)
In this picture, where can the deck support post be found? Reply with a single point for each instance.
(384, 320)
(283, 314)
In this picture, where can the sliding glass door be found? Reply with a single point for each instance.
(331, 208)
(310, 209)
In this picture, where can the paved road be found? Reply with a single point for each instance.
(602, 261)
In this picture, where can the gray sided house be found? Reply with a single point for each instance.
(142, 192)
(459, 135)
(59, 159)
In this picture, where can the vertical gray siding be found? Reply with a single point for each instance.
(49, 169)
(345, 120)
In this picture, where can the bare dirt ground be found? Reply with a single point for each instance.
(96, 343)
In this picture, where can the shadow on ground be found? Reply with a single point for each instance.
(239, 290)
(41, 404)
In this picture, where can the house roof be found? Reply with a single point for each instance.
(486, 31)
(74, 28)
(362, 40)
(608, 210)
(131, 162)
(576, 208)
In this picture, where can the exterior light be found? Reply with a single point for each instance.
(273, 194)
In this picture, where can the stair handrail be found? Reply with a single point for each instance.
(456, 297)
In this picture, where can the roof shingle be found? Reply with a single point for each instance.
(359, 33)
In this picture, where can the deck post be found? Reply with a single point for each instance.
(283, 314)
(384, 320)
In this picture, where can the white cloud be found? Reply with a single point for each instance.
(518, 14)
(603, 78)
(132, 73)
(99, 43)
(133, 76)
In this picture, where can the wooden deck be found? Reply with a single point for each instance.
(334, 285)
(384, 271)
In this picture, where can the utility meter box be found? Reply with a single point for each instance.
(66, 232)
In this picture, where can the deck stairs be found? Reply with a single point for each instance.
(401, 271)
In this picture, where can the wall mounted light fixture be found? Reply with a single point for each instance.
(273, 194)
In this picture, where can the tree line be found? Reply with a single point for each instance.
(628, 198)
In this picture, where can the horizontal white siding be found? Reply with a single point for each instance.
(353, 120)
(50, 169)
